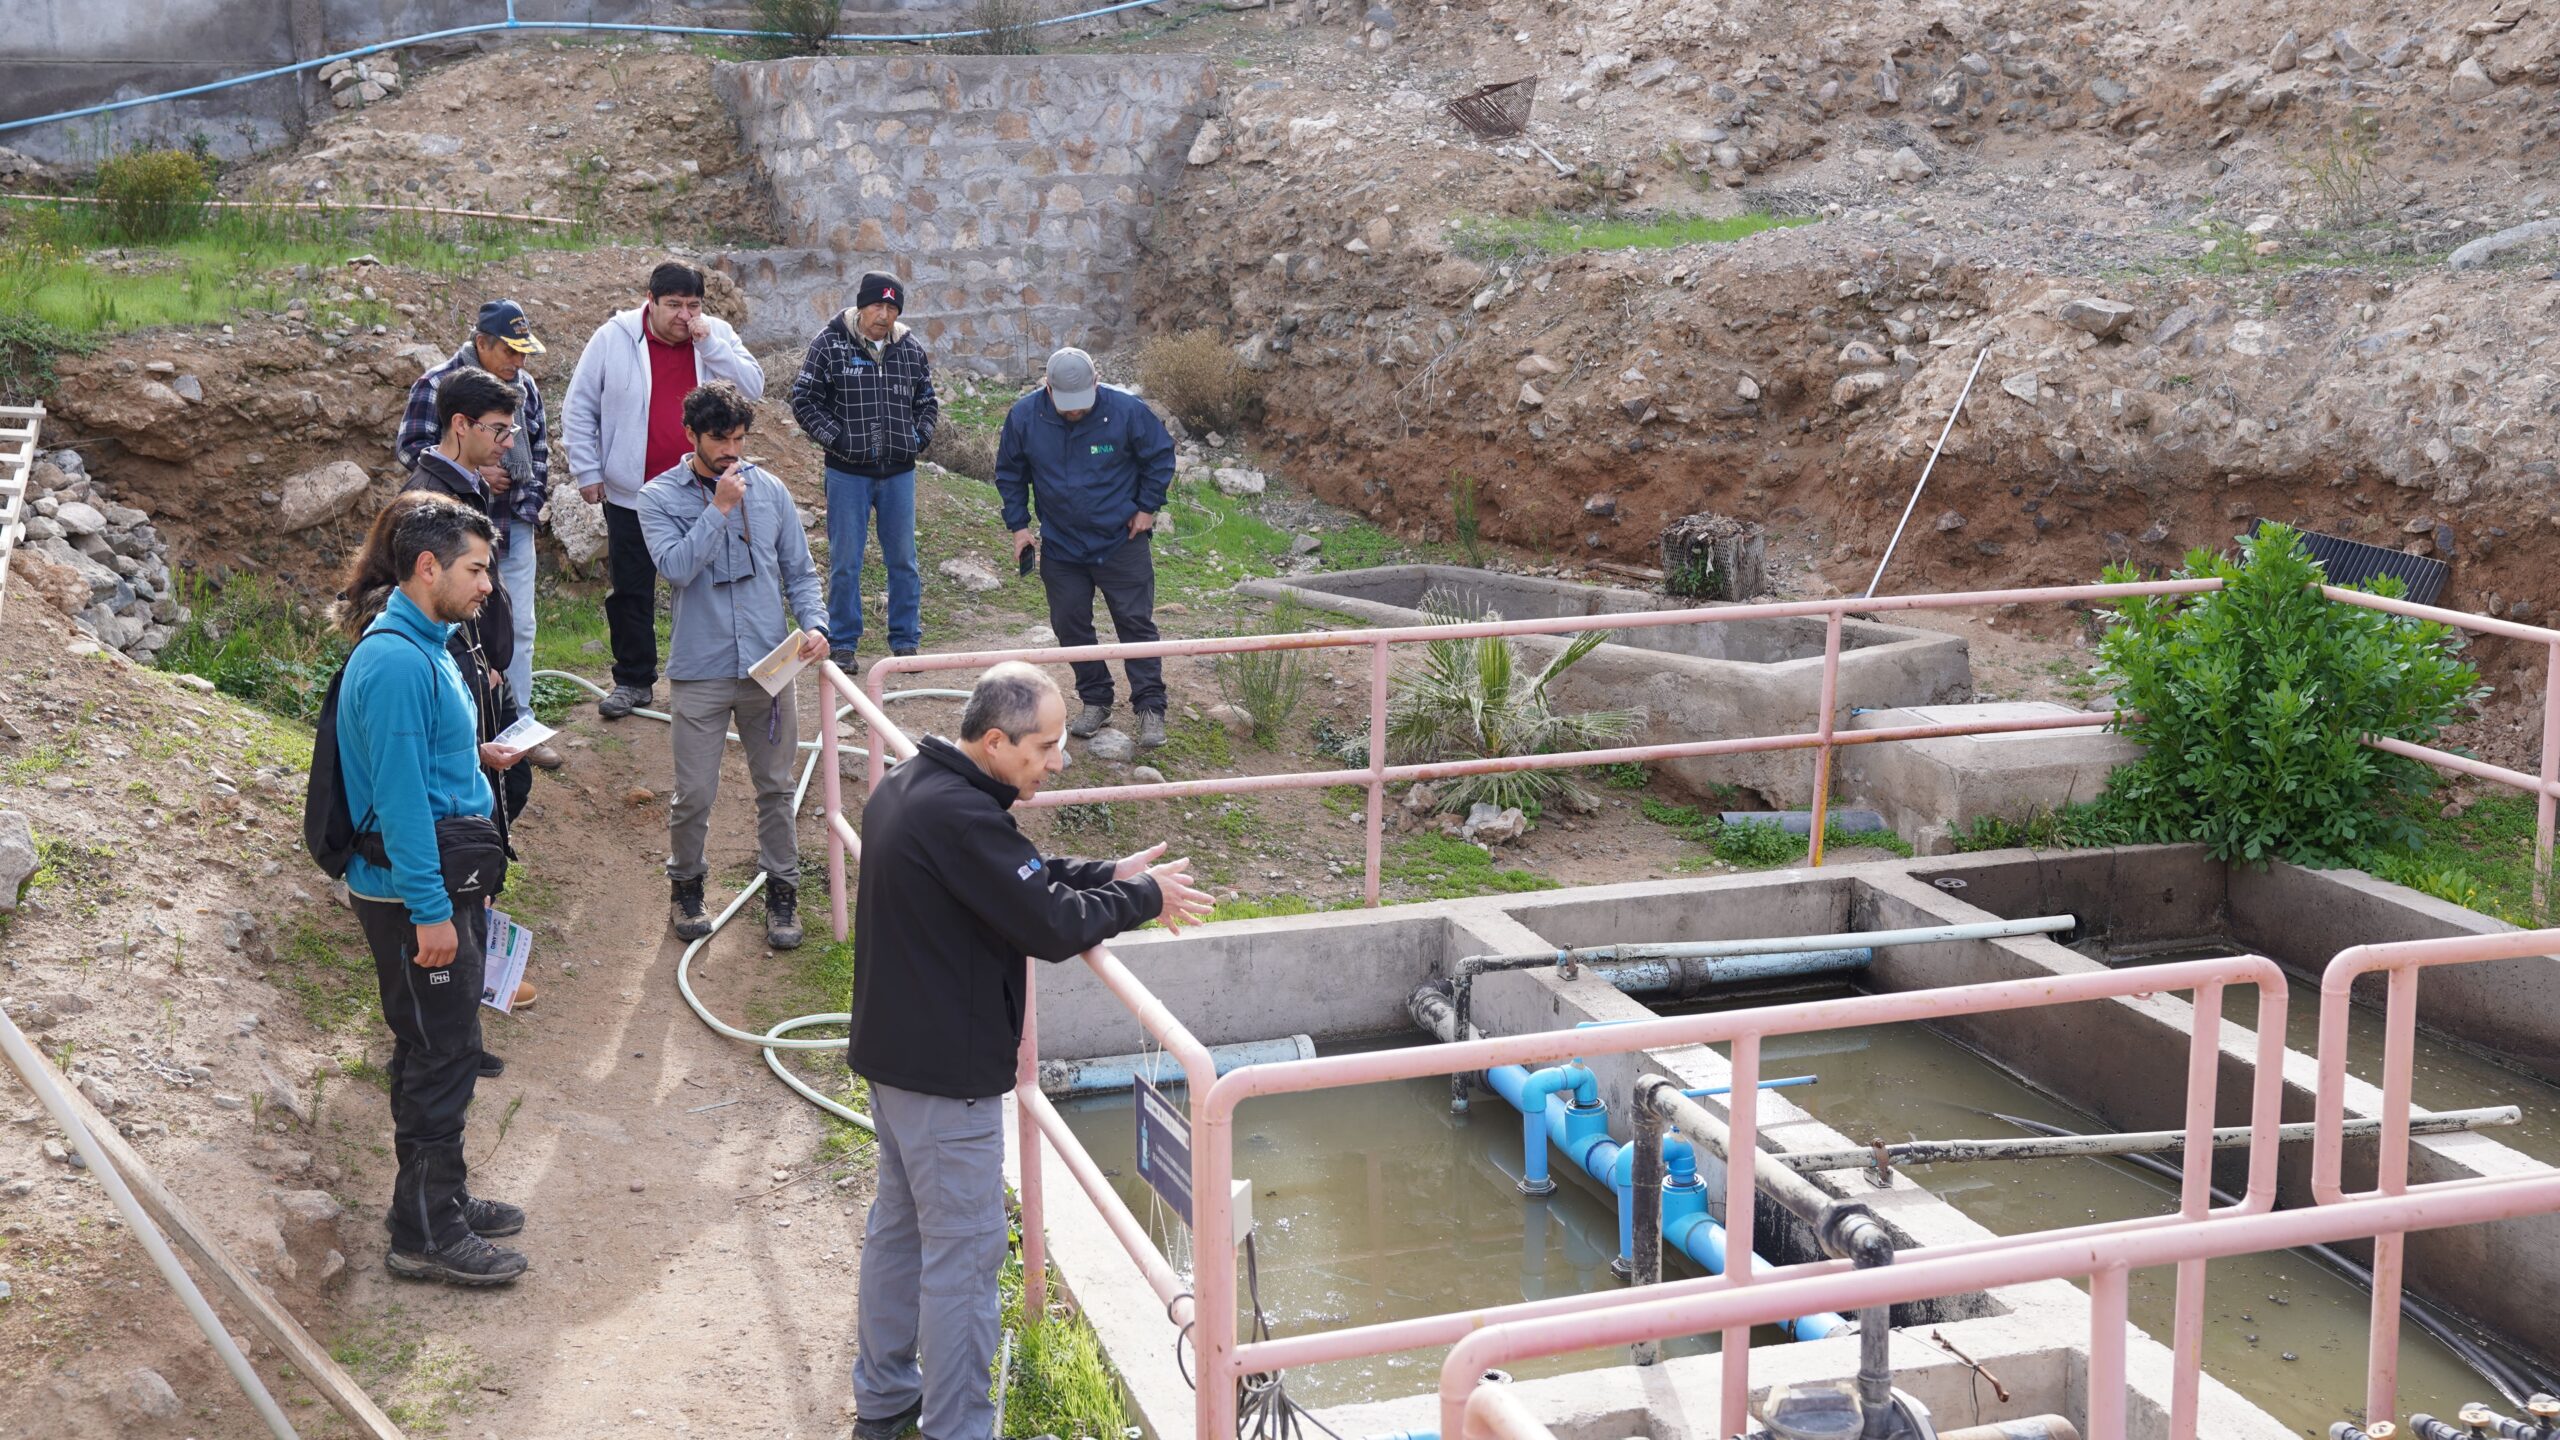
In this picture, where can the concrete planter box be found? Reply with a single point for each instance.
(1705, 681)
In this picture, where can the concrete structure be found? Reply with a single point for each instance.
(1693, 682)
(2123, 1059)
(1931, 791)
(1012, 193)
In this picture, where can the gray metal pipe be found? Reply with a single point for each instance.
(1063, 1079)
(2133, 1142)
(2032, 1427)
(1646, 1262)
(1670, 965)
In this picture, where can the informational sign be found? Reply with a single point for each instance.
(1164, 1148)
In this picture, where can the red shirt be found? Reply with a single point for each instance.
(671, 378)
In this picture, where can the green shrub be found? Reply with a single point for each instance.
(797, 27)
(1470, 699)
(255, 642)
(1269, 684)
(1008, 27)
(1757, 844)
(1465, 521)
(2254, 701)
(153, 195)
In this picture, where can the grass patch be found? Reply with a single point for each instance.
(257, 643)
(2481, 860)
(1060, 1383)
(1757, 846)
(1624, 775)
(423, 1381)
(1197, 744)
(28, 348)
(2071, 827)
(570, 635)
(1548, 233)
(329, 972)
(43, 760)
(1443, 867)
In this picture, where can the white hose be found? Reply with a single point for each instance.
(772, 1041)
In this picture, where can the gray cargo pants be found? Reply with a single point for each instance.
(932, 1255)
(703, 712)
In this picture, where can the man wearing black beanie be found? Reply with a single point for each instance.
(865, 395)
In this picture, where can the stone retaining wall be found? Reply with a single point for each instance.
(1012, 193)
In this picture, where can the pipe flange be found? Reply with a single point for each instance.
(1622, 1267)
(2543, 1408)
(1535, 1188)
(2476, 1415)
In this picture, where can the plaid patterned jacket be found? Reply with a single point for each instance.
(528, 459)
(872, 418)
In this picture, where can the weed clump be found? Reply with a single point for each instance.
(154, 195)
(1470, 699)
(1197, 376)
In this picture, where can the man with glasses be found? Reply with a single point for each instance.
(625, 424)
(501, 340)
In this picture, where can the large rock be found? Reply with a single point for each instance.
(2101, 318)
(18, 858)
(1905, 166)
(1112, 744)
(78, 517)
(142, 1396)
(1488, 826)
(972, 573)
(1235, 480)
(2469, 82)
(579, 527)
(320, 495)
(1208, 145)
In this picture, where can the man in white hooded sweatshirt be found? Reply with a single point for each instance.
(625, 423)
(865, 395)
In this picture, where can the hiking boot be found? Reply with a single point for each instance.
(488, 1219)
(846, 659)
(691, 921)
(469, 1261)
(545, 757)
(890, 1428)
(1089, 721)
(623, 699)
(1150, 729)
(902, 651)
(491, 1066)
(781, 914)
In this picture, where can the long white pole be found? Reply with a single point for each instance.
(1934, 450)
(40, 1078)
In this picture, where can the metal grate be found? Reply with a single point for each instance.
(2352, 562)
(1497, 112)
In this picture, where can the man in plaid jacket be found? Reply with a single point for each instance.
(500, 342)
(865, 395)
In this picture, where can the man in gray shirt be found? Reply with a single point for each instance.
(727, 538)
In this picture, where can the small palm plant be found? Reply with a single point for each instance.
(1470, 699)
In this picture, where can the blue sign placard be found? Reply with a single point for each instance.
(1164, 1148)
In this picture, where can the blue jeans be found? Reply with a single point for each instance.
(515, 571)
(851, 501)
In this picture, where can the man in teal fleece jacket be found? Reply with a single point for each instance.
(409, 755)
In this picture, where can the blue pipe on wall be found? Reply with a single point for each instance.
(1581, 1130)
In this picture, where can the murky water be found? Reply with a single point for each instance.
(1374, 1203)
(2447, 1076)
(2284, 1330)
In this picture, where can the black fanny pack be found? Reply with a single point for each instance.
(470, 849)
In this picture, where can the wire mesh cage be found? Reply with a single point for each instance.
(1497, 112)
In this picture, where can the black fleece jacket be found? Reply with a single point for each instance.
(952, 895)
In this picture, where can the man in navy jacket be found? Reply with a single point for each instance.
(1096, 463)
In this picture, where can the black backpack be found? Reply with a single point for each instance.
(328, 830)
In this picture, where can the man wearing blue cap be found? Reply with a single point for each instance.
(1096, 463)
(500, 341)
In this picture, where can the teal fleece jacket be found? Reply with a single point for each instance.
(408, 755)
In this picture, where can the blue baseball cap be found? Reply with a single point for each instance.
(503, 321)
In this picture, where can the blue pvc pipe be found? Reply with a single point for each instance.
(1581, 1130)
(512, 23)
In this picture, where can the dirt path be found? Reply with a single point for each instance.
(693, 1261)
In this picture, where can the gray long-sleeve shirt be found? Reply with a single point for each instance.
(731, 573)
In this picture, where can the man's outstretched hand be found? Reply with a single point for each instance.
(1184, 903)
(1136, 865)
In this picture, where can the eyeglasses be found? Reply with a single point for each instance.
(499, 431)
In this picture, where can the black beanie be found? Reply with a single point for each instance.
(878, 288)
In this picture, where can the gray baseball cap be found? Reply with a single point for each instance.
(1071, 380)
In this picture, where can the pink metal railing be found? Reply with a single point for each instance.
(1223, 1361)
(2545, 788)
(2402, 962)
(1473, 1410)
(1378, 774)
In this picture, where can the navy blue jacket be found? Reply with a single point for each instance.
(1086, 479)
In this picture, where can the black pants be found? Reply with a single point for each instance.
(434, 1017)
(631, 610)
(1127, 581)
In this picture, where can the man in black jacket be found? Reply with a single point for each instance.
(865, 395)
(951, 897)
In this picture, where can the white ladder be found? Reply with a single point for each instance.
(18, 425)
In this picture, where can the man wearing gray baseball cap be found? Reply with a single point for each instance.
(1095, 463)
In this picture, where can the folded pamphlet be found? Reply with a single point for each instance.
(510, 946)
(781, 665)
(523, 735)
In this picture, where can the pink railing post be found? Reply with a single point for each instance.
(1026, 1077)
(1741, 1186)
(830, 679)
(1377, 769)
(874, 684)
(2195, 1200)
(2544, 803)
(1822, 754)
(2107, 1323)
